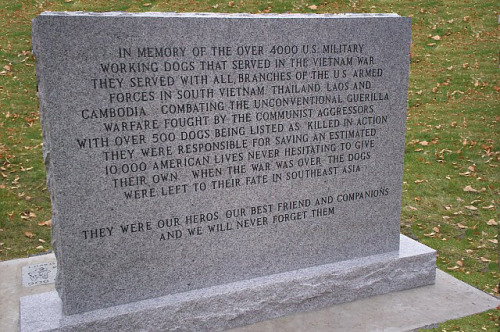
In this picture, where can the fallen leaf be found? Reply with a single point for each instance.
(471, 207)
(489, 207)
(436, 37)
(462, 226)
(446, 218)
(47, 223)
(39, 247)
(424, 143)
(472, 168)
(412, 208)
(495, 241)
(29, 235)
(436, 229)
(470, 189)
(491, 222)
(460, 263)
(486, 260)
(313, 7)
(41, 240)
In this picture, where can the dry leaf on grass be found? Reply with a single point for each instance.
(47, 223)
(491, 222)
(470, 189)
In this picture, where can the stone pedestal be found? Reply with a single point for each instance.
(245, 302)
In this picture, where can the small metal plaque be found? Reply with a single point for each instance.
(39, 274)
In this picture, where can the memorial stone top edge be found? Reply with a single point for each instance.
(222, 15)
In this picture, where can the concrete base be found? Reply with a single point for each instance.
(245, 302)
(406, 310)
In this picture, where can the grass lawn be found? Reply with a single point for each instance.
(451, 187)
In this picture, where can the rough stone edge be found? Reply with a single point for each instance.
(246, 302)
(46, 148)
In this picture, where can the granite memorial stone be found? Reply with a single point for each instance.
(224, 157)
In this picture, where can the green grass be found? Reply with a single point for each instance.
(451, 142)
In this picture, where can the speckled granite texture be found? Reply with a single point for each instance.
(126, 231)
(245, 302)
